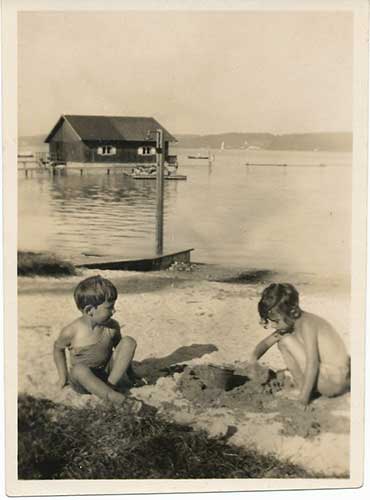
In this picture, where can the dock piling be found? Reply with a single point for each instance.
(159, 197)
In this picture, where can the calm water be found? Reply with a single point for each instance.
(287, 218)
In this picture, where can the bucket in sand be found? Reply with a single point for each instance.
(210, 377)
(217, 377)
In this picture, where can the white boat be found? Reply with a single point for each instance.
(198, 157)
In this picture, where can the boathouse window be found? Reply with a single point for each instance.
(107, 150)
(146, 150)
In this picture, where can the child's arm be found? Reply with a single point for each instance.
(264, 346)
(309, 336)
(60, 345)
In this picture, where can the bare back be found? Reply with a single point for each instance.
(331, 348)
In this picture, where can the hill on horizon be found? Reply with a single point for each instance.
(31, 141)
(321, 141)
(317, 141)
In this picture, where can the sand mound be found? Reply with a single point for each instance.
(210, 385)
(256, 388)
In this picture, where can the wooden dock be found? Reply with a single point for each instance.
(147, 263)
(31, 165)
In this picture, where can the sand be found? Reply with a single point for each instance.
(189, 321)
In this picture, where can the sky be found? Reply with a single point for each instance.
(196, 72)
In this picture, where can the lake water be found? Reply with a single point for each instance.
(293, 218)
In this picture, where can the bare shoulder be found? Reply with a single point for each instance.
(76, 326)
(73, 327)
(319, 320)
(307, 323)
(309, 318)
(68, 333)
(314, 323)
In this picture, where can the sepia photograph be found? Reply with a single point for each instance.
(185, 198)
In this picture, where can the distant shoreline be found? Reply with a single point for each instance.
(331, 141)
(320, 141)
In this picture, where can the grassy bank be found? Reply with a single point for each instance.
(43, 264)
(58, 442)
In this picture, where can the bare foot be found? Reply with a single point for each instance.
(115, 397)
(131, 404)
(135, 405)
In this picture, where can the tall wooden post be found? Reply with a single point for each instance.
(159, 211)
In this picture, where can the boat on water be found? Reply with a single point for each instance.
(198, 157)
(150, 173)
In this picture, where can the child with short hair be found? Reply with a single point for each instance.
(100, 358)
(313, 351)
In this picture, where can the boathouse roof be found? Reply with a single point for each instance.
(111, 128)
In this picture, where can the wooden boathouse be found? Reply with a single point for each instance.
(124, 140)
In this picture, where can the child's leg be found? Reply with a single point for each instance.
(85, 377)
(123, 356)
(333, 380)
(294, 358)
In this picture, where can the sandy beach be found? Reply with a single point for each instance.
(167, 310)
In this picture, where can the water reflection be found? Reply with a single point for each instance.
(112, 188)
(92, 213)
(294, 217)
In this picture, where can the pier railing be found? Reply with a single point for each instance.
(33, 160)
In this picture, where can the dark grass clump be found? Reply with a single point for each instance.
(43, 264)
(57, 442)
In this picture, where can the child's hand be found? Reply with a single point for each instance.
(253, 370)
(258, 373)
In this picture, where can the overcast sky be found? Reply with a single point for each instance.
(196, 72)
